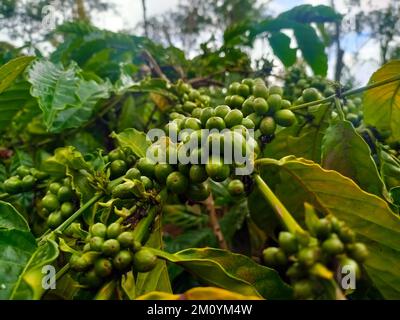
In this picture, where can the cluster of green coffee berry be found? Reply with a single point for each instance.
(120, 159)
(110, 250)
(296, 81)
(263, 108)
(59, 202)
(331, 246)
(25, 180)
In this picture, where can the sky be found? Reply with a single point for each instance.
(128, 13)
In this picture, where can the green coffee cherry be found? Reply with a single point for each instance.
(118, 168)
(98, 230)
(276, 90)
(96, 244)
(285, 118)
(144, 260)
(261, 106)
(147, 182)
(64, 194)
(358, 251)
(197, 174)
(274, 102)
(67, 209)
(55, 219)
(288, 242)
(54, 187)
(177, 182)
(13, 185)
(23, 171)
(114, 230)
(103, 267)
(236, 188)
(146, 167)
(233, 118)
(260, 91)
(222, 110)
(133, 174)
(236, 101)
(308, 256)
(215, 123)
(217, 170)
(50, 202)
(126, 239)
(123, 260)
(333, 245)
(303, 289)
(323, 228)
(110, 247)
(310, 94)
(268, 126)
(28, 182)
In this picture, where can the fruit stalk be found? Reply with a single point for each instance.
(287, 219)
(347, 93)
(76, 215)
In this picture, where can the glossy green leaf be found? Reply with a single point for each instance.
(21, 262)
(11, 70)
(133, 139)
(382, 104)
(10, 218)
(345, 151)
(67, 101)
(280, 44)
(13, 100)
(368, 215)
(230, 271)
(312, 48)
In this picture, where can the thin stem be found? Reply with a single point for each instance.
(339, 109)
(347, 93)
(4, 196)
(142, 229)
(287, 219)
(215, 223)
(76, 215)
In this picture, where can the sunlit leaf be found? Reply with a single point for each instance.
(382, 104)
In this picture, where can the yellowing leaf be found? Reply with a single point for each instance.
(382, 104)
(199, 293)
(11, 70)
(230, 271)
(368, 215)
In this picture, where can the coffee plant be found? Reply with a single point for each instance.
(132, 175)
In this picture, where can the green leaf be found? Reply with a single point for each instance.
(13, 100)
(67, 101)
(312, 48)
(230, 271)
(10, 218)
(345, 151)
(133, 139)
(368, 215)
(280, 43)
(21, 259)
(11, 70)
(382, 104)
(307, 14)
(158, 278)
